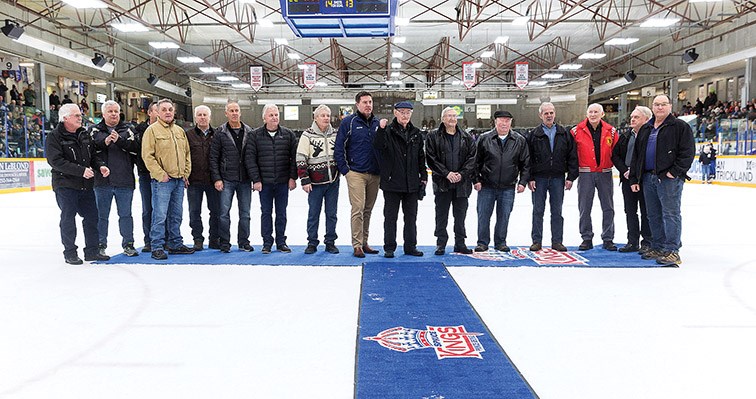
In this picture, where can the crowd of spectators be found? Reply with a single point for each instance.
(711, 112)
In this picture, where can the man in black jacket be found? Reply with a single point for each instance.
(502, 156)
(450, 153)
(663, 154)
(116, 143)
(71, 155)
(271, 163)
(403, 176)
(145, 185)
(200, 183)
(229, 174)
(622, 155)
(552, 155)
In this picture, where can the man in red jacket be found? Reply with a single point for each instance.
(595, 141)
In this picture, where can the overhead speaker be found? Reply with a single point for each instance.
(591, 90)
(99, 61)
(12, 30)
(690, 56)
(630, 76)
(188, 92)
(153, 80)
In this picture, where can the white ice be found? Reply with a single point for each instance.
(223, 331)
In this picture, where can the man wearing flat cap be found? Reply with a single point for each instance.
(403, 176)
(502, 163)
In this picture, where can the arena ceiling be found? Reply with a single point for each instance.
(440, 35)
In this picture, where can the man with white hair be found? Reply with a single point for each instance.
(229, 175)
(595, 140)
(200, 182)
(116, 143)
(271, 163)
(622, 157)
(662, 157)
(71, 155)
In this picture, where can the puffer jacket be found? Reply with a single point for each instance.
(227, 161)
(69, 154)
(401, 158)
(271, 160)
(119, 155)
(436, 148)
(547, 163)
(502, 165)
(315, 161)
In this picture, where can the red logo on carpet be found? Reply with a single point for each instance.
(447, 341)
(545, 256)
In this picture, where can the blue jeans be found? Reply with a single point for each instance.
(663, 198)
(145, 189)
(72, 202)
(504, 200)
(194, 194)
(243, 191)
(554, 187)
(123, 197)
(167, 202)
(330, 194)
(271, 193)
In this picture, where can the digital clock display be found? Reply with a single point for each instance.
(337, 7)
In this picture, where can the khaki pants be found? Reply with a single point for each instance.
(363, 190)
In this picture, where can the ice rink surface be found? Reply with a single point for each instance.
(247, 331)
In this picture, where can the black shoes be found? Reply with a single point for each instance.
(536, 246)
(609, 245)
(199, 244)
(180, 250)
(246, 247)
(266, 249)
(129, 250)
(159, 254)
(630, 248)
(481, 248)
(558, 246)
(147, 247)
(463, 250)
(585, 245)
(225, 248)
(440, 250)
(502, 248)
(331, 248)
(214, 244)
(388, 254)
(413, 252)
(311, 249)
(74, 260)
(283, 248)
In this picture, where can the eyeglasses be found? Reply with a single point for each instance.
(660, 104)
(404, 111)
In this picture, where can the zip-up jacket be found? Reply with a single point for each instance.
(315, 161)
(401, 157)
(675, 150)
(585, 148)
(269, 159)
(69, 154)
(354, 145)
(436, 148)
(199, 146)
(620, 151)
(547, 163)
(139, 130)
(119, 155)
(166, 152)
(226, 160)
(498, 165)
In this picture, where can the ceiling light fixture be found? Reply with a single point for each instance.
(477, 65)
(395, 74)
(265, 23)
(190, 60)
(487, 54)
(521, 21)
(400, 21)
(630, 76)
(163, 45)
(399, 39)
(227, 78)
(397, 54)
(293, 56)
(85, 3)
(570, 67)
(501, 40)
(169, 87)
(552, 76)
(129, 27)
(396, 65)
(621, 41)
(211, 69)
(241, 86)
(281, 41)
(659, 22)
(690, 56)
(614, 84)
(12, 30)
(684, 79)
(537, 83)
(591, 56)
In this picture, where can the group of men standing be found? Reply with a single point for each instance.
(232, 160)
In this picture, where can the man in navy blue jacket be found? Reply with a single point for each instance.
(357, 160)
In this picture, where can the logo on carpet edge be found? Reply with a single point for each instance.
(447, 341)
(545, 256)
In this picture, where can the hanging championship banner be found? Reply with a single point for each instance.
(256, 77)
(521, 74)
(468, 74)
(310, 73)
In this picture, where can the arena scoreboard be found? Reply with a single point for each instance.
(340, 18)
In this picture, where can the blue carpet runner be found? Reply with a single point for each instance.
(520, 256)
(419, 337)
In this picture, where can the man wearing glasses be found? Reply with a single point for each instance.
(662, 156)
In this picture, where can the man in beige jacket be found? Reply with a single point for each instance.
(165, 151)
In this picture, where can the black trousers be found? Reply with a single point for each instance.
(82, 202)
(635, 228)
(392, 201)
(459, 211)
